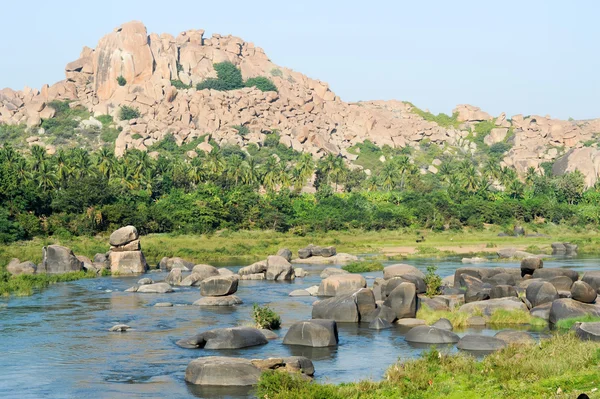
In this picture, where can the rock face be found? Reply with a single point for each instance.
(431, 335)
(57, 259)
(316, 333)
(225, 338)
(125, 256)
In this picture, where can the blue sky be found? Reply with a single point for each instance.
(529, 57)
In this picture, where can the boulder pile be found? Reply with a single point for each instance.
(125, 255)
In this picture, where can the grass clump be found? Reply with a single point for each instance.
(27, 284)
(498, 317)
(535, 371)
(363, 266)
(567, 324)
(265, 317)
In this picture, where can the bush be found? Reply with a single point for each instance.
(211, 83)
(272, 139)
(261, 83)
(433, 281)
(242, 130)
(179, 85)
(105, 119)
(121, 81)
(265, 317)
(127, 113)
(230, 75)
(363, 267)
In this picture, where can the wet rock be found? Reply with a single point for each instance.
(379, 324)
(225, 338)
(316, 333)
(119, 328)
(123, 236)
(58, 259)
(512, 337)
(531, 264)
(583, 292)
(156, 288)
(431, 335)
(443, 324)
(403, 300)
(566, 308)
(340, 284)
(540, 292)
(222, 371)
(480, 343)
(229, 300)
(219, 286)
(341, 308)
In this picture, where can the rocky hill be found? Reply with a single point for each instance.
(157, 75)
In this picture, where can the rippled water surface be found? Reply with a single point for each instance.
(56, 344)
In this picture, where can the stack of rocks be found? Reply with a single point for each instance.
(125, 256)
(218, 291)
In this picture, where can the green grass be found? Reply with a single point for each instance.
(24, 285)
(536, 371)
(498, 317)
(566, 324)
(363, 266)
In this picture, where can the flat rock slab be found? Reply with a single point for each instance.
(480, 343)
(229, 300)
(321, 260)
(156, 288)
(410, 322)
(431, 335)
(487, 307)
(222, 371)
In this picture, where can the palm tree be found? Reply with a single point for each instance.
(234, 168)
(271, 173)
(389, 175)
(252, 176)
(38, 156)
(106, 162)
(469, 177)
(45, 176)
(215, 162)
(404, 167)
(530, 175)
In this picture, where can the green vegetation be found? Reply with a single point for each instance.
(66, 120)
(276, 72)
(121, 81)
(179, 85)
(229, 77)
(567, 324)
(432, 281)
(498, 317)
(242, 130)
(127, 113)
(24, 284)
(261, 83)
(441, 119)
(265, 317)
(536, 372)
(363, 266)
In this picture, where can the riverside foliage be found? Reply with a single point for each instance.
(76, 192)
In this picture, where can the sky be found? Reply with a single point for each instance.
(519, 57)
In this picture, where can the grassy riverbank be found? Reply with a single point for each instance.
(247, 246)
(560, 367)
(25, 285)
(499, 317)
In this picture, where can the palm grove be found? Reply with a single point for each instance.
(79, 192)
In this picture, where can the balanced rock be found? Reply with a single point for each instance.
(128, 262)
(278, 268)
(219, 286)
(123, 236)
(316, 333)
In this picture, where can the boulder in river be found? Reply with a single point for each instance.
(341, 308)
(583, 292)
(175, 263)
(229, 300)
(58, 259)
(299, 293)
(566, 308)
(255, 268)
(174, 277)
(222, 371)
(431, 335)
(330, 271)
(205, 271)
(477, 343)
(540, 292)
(489, 306)
(127, 262)
(443, 324)
(380, 324)
(403, 300)
(285, 253)
(145, 280)
(219, 286)
(123, 236)
(316, 333)
(156, 288)
(119, 328)
(225, 338)
(400, 270)
(279, 269)
(339, 284)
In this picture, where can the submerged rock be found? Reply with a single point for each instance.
(119, 328)
(156, 288)
(229, 300)
(379, 324)
(480, 343)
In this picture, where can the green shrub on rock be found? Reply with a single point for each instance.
(433, 281)
(265, 317)
(261, 83)
(363, 267)
(127, 113)
(121, 81)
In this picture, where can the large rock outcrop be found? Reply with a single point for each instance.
(58, 259)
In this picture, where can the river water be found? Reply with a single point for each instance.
(56, 344)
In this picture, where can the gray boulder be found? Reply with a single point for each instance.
(593, 279)
(340, 308)
(561, 283)
(531, 264)
(316, 333)
(278, 268)
(502, 279)
(541, 311)
(547, 274)
(156, 288)
(512, 337)
(219, 286)
(380, 324)
(15, 267)
(305, 253)
(285, 254)
(566, 308)
(389, 285)
(175, 263)
(400, 270)
(325, 252)
(299, 293)
(430, 335)
(145, 281)
(255, 268)
(443, 324)
(191, 280)
(123, 236)
(588, 331)
(476, 294)
(174, 277)
(340, 284)
(540, 292)
(503, 291)
(403, 300)
(583, 292)
(58, 259)
(330, 271)
(476, 343)
(128, 262)
(222, 371)
(489, 306)
(365, 302)
(381, 312)
(229, 300)
(205, 271)
(225, 338)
